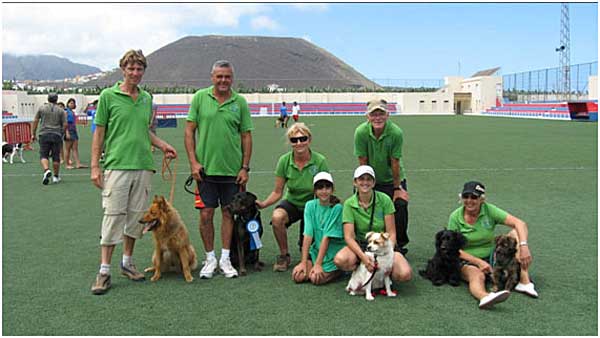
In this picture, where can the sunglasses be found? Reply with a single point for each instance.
(470, 196)
(298, 139)
(323, 185)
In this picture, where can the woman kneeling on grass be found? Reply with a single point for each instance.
(323, 235)
(477, 220)
(368, 210)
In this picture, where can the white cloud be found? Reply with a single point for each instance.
(263, 22)
(316, 7)
(98, 34)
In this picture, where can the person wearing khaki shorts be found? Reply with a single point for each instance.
(123, 114)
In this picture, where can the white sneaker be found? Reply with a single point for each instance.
(209, 267)
(493, 298)
(55, 179)
(227, 269)
(528, 289)
(46, 177)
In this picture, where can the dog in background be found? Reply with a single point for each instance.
(444, 266)
(172, 248)
(10, 150)
(381, 250)
(507, 270)
(243, 209)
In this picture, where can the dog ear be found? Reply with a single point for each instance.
(369, 234)
(498, 240)
(385, 235)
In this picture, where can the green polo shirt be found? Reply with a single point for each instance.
(300, 182)
(219, 141)
(380, 151)
(360, 217)
(127, 144)
(480, 236)
(324, 221)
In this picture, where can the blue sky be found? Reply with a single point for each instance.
(382, 41)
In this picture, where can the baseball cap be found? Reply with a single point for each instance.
(474, 187)
(322, 176)
(377, 104)
(364, 169)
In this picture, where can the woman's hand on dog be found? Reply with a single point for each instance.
(524, 257)
(368, 262)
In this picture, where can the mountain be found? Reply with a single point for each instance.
(258, 62)
(42, 67)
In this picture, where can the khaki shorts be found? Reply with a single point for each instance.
(124, 200)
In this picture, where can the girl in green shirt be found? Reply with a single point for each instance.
(323, 236)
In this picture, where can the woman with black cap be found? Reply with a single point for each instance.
(476, 220)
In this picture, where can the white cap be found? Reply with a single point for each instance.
(322, 176)
(364, 169)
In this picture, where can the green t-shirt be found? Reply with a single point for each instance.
(324, 221)
(480, 236)
(380, 151)
(355, 214)
(219, 141)
(127, 144)
(299, 182)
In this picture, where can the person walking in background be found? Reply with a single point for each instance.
(53, 125)
(72, 141)
(296, 111)
(296, 169)
(283, 115)
(219, 157)
(378, 143)
(123, 114)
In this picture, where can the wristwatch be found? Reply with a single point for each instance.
(523, 243)
(247, 168)
(398, 188)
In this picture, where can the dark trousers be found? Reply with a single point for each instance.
(401, 214)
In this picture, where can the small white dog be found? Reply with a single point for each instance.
(362, 281)
(10, 150)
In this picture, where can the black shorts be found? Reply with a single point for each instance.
(294, 213)
(388, 188)
(50, 144)
(217, 190)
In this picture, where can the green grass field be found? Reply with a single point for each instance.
(544, 172)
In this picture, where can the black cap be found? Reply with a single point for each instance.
(52, 97)
(474, 187)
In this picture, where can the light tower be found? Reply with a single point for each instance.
(564, 54)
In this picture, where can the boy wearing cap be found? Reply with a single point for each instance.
(378, 143)
(368, 210)
(477, 221)
(323, 235)
(53, 127)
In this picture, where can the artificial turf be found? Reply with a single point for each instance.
(544, 172)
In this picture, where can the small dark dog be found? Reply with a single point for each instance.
(444, 266)
(507, 270)
(10, 150)
(243, 209)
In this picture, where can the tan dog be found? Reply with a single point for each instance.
(172, 248)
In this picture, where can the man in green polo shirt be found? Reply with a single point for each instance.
(122, 118)
(378, 143)
(219, 155)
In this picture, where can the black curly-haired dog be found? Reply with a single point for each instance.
(243, 209)
(444, 266)
(507, 270)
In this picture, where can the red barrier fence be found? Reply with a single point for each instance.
(17, 132)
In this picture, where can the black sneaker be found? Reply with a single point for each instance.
(46, 177)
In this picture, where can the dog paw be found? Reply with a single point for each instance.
(370, 297)
(149, 269)
(189, 279)
(243, 272)
(392, 294)
(155, 278)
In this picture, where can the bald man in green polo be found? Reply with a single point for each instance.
(378, 143)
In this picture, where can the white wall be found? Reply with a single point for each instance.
(593, 87)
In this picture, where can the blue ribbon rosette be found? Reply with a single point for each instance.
(252, 226)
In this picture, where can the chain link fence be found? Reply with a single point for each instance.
(545, 84)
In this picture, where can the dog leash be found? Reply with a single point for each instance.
(172, 174)
(372, 275)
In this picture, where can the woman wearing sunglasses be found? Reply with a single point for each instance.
(476, 220)
(296, 169)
